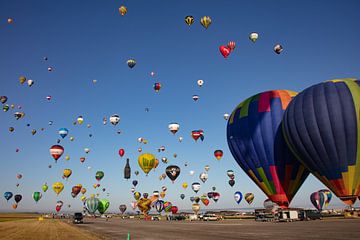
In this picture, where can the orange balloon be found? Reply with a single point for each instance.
(14, 206)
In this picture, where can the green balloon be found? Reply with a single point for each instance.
(37, 196)
(45, 187)
(92, 205)
(99, 175)
(103, 206)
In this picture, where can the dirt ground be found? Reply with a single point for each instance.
(224, 230)
(41, 230)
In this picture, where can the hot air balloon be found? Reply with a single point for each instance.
(131, 63)
(92, 205)
(6, 108)
(256, 142)
(30, 82)
(99, 175)
(164, 188)
(216, 196)
(231, 182)
(44, 187)
(205, 21)
(137, 195)
(103, 205)
(218, 154)
(207, 168)
(159, 206)
(278, 48)
(174, 209)
(180, 139)
(122, 10)
(80, 120)
(328, 196)
(200, 82)
(326, 139)
(121, 152)
(8, 195)
(182, 196)
(231, 45)
(195, 187)
(195, 207)
(58, 187)
(318, 200)
(75, 190)
(63, 132)
(225, 51)
(174, 127)
(146, 162)
(82, 159)
(3, 99)
(167, 206)
(67, 173)
(196, 134)
(270, 205)
(230, 174)
(22, 79)
(203, 177)
(195, 97)
(157, 86)
(14, 206)
(37, 196)
(122, 208)
(189, 20)
(136, 172)
(10, 20)
(238, 197)
(191, 172)
(249, 198)
(19, 115)
(114, 119)
(226, 116)
(253, 36)
(17, 198)
(172, 172)
(156, 163)
(184, 185)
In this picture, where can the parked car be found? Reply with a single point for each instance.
(210, 217)
(155, 218)
(78, 218)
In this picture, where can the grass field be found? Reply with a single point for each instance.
(27, 226)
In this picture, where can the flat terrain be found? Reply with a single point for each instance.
(41, 230)
(224, 230)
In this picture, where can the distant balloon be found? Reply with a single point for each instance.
(8, 195)
(122, 208)
(3, 99)
(196, 187)
(174, 127)
(226, 116)
(203, 177)
(56, 151)
(103, 205)
(172, 172)
(318, 200)
(17, 198)
(200, 82)
(189, 20)
(278, 48)
(92, 205)
(225, 51)
(121, 152)
(253, 36)
(67, 173)
(146, 162)
(238, 197)
(122, 10)
(44, 187)
(328, 196)
(58, 187)
(249, 198)
(195, 97)
(99, 175)
(157, 87)
(131, 63)
(231, 45)
(205, 21)
(218, 154)
(63, 132)
(114, 119)
(37, 196)
(196, 134)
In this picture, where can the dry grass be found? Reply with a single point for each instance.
(41, 230)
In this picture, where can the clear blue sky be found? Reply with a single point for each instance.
(86, 40)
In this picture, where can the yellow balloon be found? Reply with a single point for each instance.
(67, 173)
(83, 190)
(205, 21)
(162, 194)
(83, 198)
(146, 162)
(67, 157)
(122, 10)
(137, 195)
(95, 185)
(185, 185)
(92, 195)
(58, 187)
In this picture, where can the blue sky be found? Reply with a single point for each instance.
(86, 40)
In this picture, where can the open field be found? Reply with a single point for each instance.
(41, 230)
(226, 229)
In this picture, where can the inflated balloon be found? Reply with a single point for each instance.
(103, 205)
(6, 108)
(172, 172)
(131, 63)
(195, 207)
(157, 86)
(164, 160)
(203, 176)
(253, 36)
(174, 127)
(159, 206)
(82, 159)
(167, 206)
(45, 187)
(249, 198)
(195, 97)
(278, 48)
(231, 182)
(19, 115)
(63, 132)
(135, 182)
(191, 172)
(200, 82)
(144, 205)
(195, 187)
(121, 152)
(17, 198)
(86, 150)
(127, 169)
(156, 163)
(145, 195)
(136, 172)
(122, 208)
(10, 20)
(30, 82)
(182, 196)
(58, 187)
(238, 197)
(146, 162)
(225, 51)
(180, 139)
(230, 173)
(196, 134)
(231, 45)
(216, 196)
(164, 188)
(255, 140)
(92, 204)
(14, 206)
(33, 132)
(114, 119)
(328, 196)
(163, 194)
(184, 185)
(207, 168)
(326, 139)
(318, 200)
(50, 69)
(37, 196)
(11, 129)
(133, 205)
(3, 99)
(205, 21)
(75, 190)
(122, 10)
(67, 173)
(83, 190)
(137, 195)
(189, 20)
(226, 116)
(8, 195)
(174, 209)
(99, 175)
(218, 154)
(83, 199)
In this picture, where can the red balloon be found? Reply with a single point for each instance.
(58, 208)
(121, 152)
(225, 51)
(174, 209)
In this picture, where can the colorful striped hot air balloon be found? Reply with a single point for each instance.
(205, 21)
(318, 200)
(255, 140)
(249, 198)
(92, 204)
(189, 20)
(321, 127)
(147, 162)
(56, 151)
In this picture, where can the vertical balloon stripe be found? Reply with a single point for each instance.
(244, 110)
(265, 180)
(285, 98)
(264, 102)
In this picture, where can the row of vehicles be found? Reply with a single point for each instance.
(286, 215)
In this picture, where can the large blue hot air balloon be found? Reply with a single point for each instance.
(255, 140)
(8, 195)
(321, 127)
